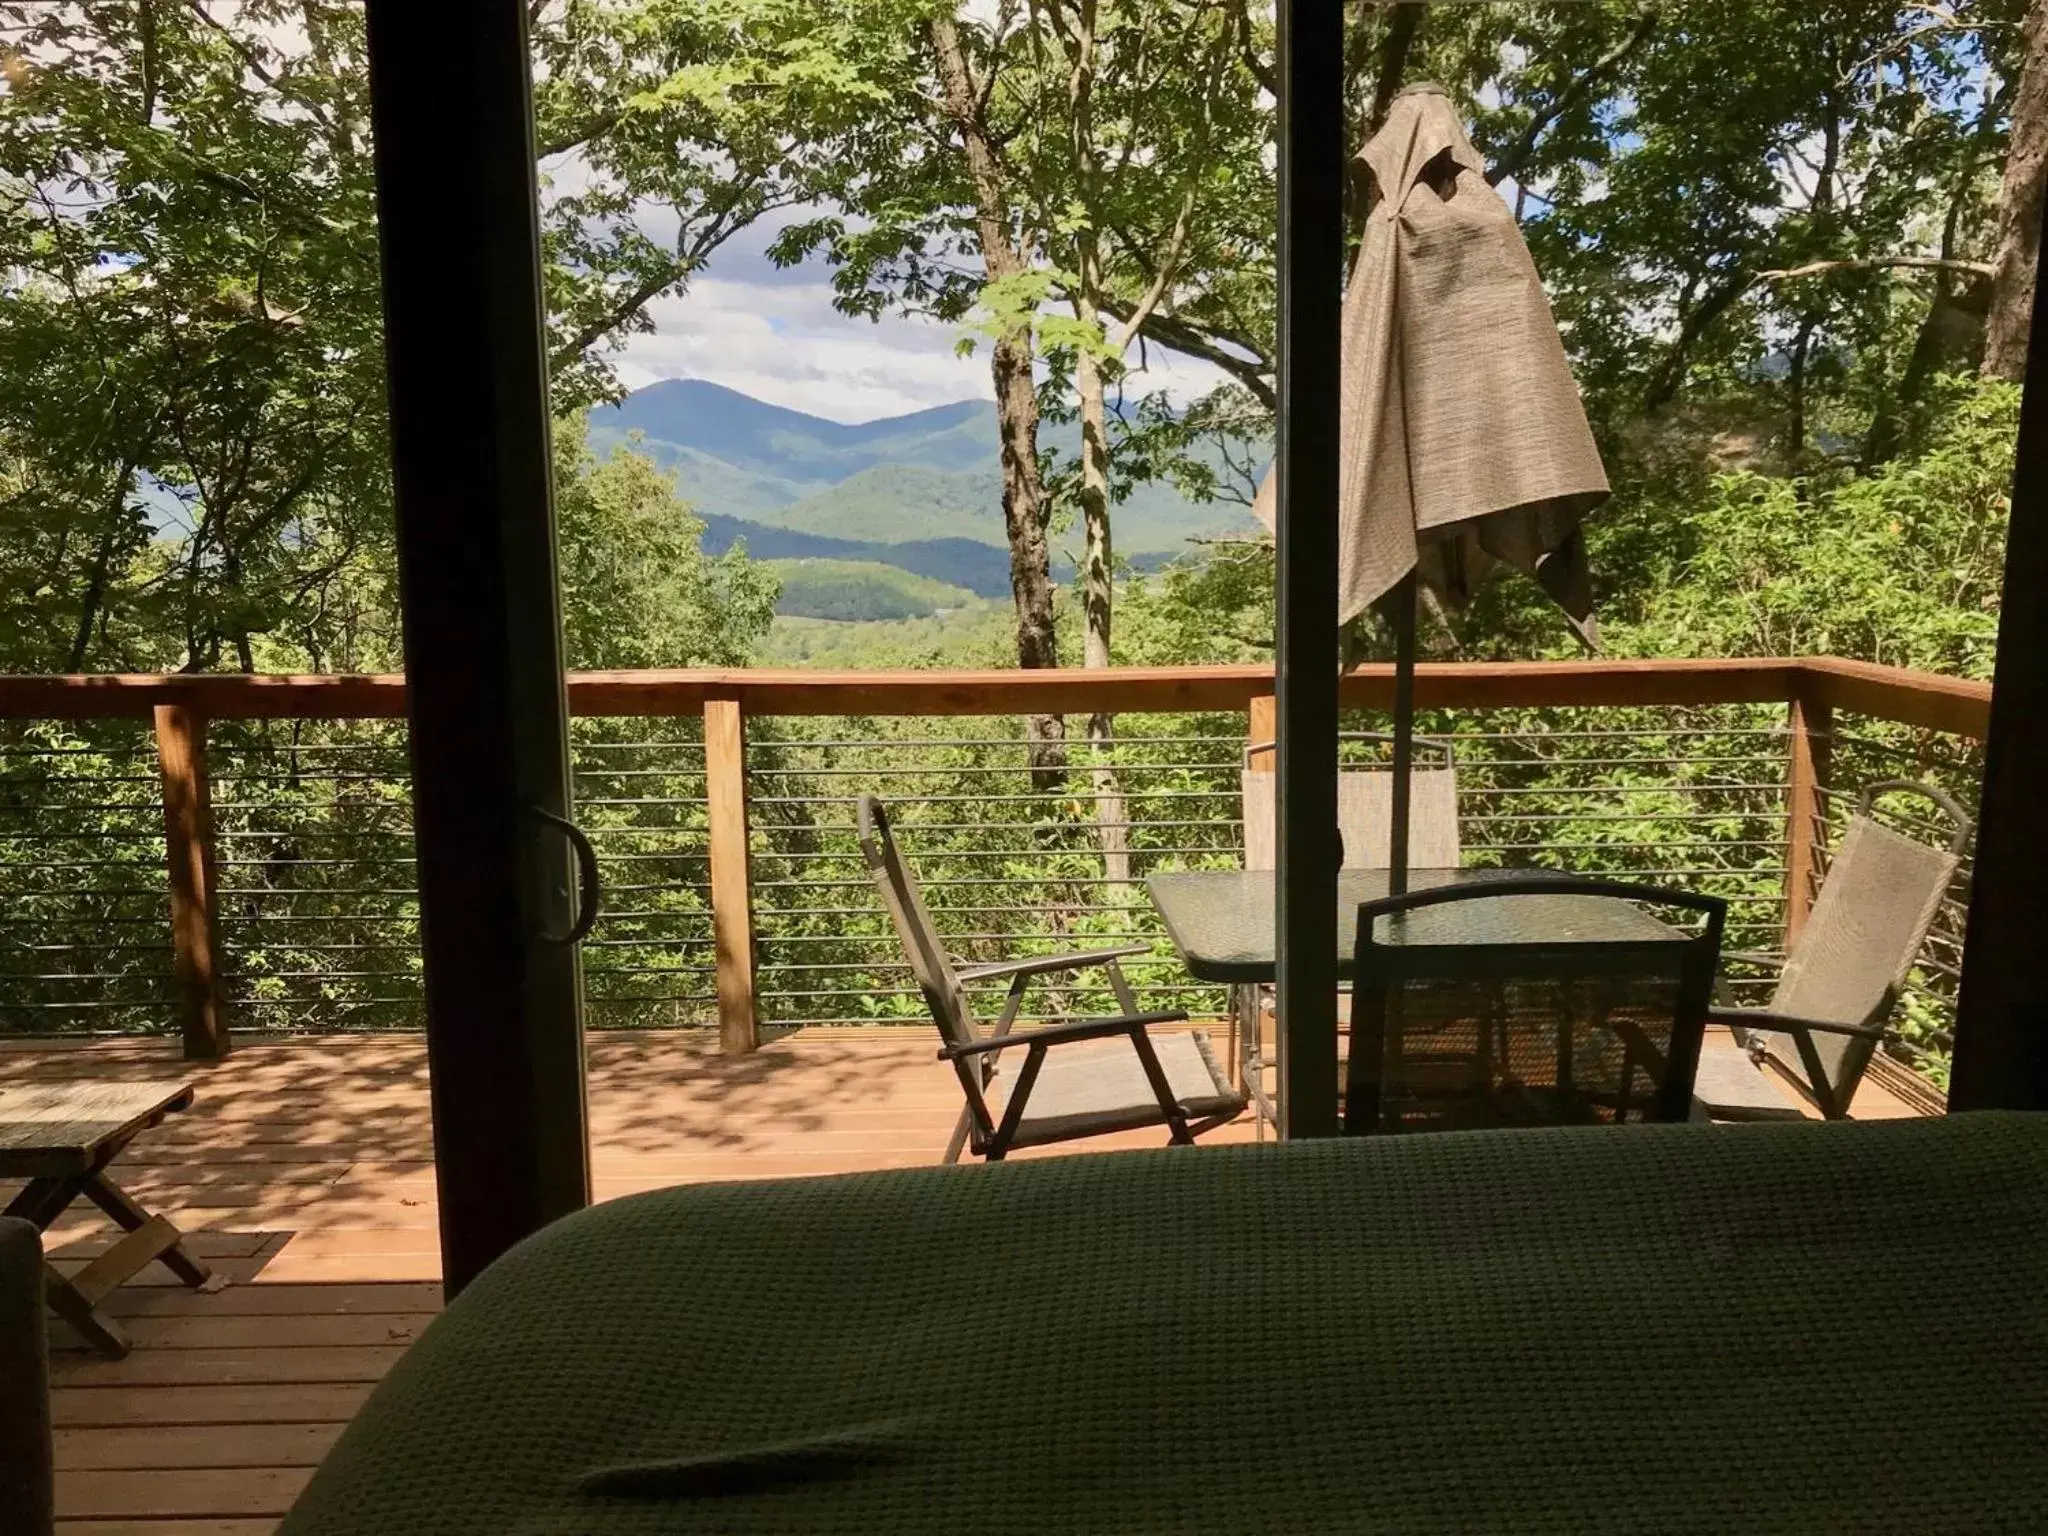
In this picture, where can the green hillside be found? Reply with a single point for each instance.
(930, 475)
(1156, 520)
(861, 591)
(704, 480)
(897, 503)
(981, 636)
(905, 503)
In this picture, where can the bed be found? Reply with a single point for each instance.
(1812, 1327)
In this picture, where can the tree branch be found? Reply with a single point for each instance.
(1169, 263)
(1257, 68)
(1517, 158)
(1663, 385)
(1718, 300)
(1877, 263)
(594, 128)
(643, 293)
(1402, 27)
(1189, 342)
(253, 61)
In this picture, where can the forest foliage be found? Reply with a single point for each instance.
(1790, 250)
(1764, 282)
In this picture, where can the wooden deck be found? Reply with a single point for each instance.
(304, 1174)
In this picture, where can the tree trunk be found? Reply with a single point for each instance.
(1823, 211)
(1404, 22)
(1098, 593)
(1795, 385)
(2019, 207)
(1016, 394)
(90, 604)
(1951, 334)
(1950, 338)
(1098, 596)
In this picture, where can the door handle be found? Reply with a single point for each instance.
(590, 887)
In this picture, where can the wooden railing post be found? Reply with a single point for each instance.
(1262, 725)
(195, 912)
(732, 917)
(1810, 727)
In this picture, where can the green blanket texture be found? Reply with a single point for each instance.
(1672, 1328)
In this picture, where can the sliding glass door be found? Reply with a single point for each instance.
(499, 892)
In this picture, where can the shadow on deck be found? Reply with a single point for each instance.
(304, 1175)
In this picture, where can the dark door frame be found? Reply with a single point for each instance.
(2001, 1044)
(458, 213)
(1310, 67)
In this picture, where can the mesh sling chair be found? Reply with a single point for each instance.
(1525, 1002)
(1084, 1077)
(1365, 816)
(1365, 808)
(1837, 986)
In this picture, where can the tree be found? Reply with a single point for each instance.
(2017, 249)
(191, 366)
(637, 588)
(1768, 252)
(1007, 252)
(1158, 113)
(665, 127)
(930, 216)
(192, 374)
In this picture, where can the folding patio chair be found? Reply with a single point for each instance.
(1082, 1077)
(1365, 816)
(1546, 1001)
(1839, 983)
(1365, 808)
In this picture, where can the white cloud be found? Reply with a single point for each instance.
(785, 344)
(771, 332)
(780, 340)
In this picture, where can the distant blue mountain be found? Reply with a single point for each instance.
(788, 445)
(982, 569)
(917, 491)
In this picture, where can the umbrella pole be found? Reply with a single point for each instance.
(1404, 734)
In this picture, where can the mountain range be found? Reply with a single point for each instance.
(920, 492)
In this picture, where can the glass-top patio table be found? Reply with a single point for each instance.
(1221, 921)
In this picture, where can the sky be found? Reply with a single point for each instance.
(772, 333)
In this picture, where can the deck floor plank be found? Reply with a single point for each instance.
(179, 1493)
(304, 1175)
(141, 1447)
(123, 1406)
(257, 1527)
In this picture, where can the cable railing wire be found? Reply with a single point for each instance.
(319, 913)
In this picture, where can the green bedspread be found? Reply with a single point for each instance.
(1652, 1329)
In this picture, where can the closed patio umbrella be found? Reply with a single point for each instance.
(1465, 445)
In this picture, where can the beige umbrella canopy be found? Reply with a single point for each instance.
(1464, 443)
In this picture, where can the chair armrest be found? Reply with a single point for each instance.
(1046, 965)
(1764, 1019)
(1057, 1034)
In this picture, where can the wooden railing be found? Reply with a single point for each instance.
(180, 708)
(1911, 698)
